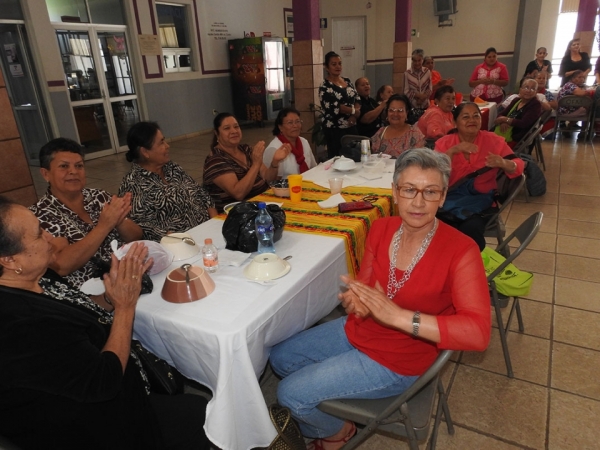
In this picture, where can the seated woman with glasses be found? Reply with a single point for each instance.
(287, 131)
(421, 288)
(471, 149)
(515, 120)
(399, 135)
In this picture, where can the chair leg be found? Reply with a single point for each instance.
(410, 431)
(361, 436)
(502, 332)
(519, 315)
(539, 153)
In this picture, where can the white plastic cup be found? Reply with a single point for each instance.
(335, 184)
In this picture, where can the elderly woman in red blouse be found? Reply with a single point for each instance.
(421, 288)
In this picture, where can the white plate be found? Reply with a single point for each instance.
(356, 166)
(285, 272)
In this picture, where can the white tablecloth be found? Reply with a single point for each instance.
(493, 114)
(224, 340)
(320, 176)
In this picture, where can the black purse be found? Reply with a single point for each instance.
(163, 378)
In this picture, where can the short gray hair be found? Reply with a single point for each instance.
(423, 158)
(529, 80)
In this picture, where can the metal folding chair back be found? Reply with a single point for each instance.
(524, 234)
(507, 191)
(408, 414)
(575, 101)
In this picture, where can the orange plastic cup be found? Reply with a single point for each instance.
(295, 183)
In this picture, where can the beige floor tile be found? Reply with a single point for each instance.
(578, 294)
(577, 327)
(578, 246)
(467, 439)
(537, 318)
(574, 369)
(545, 242)
(582, 201)
(573, 422)
(548, 223)
(542, 288)
(577, 267)
(575, 228)
(529, 356)
(580, 189)
(584, 214)
(550, 198)
(528, 209)
(510, 409)
(536, 261)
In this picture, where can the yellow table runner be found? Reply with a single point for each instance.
(308, 217)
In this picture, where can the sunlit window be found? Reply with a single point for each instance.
(565, 30)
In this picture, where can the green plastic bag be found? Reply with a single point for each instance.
(512, 282)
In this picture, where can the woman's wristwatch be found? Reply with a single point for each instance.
(416, 323)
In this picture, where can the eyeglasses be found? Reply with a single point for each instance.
(295, 122)
(530, 89)
(396, 110)
(430, 195)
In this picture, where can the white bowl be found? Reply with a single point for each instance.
(229, 207)
(180, 249)
(266, 266)
(344, 164)
(373, 166)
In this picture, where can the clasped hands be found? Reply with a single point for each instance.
(365, 301)
(114, 213)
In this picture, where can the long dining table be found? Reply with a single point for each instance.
(223, 341)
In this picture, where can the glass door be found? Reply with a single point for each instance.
(23, 89)
(102, 90)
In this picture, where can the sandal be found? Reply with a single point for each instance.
(317, 444)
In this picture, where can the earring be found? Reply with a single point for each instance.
(19, 271)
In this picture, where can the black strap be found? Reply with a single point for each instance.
(477, 172)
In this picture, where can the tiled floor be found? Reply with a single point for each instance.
(554, 400)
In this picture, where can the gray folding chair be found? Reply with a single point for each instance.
(575, 101)
(507, 191)
(408, 414)
(524, 234)
(537, 140)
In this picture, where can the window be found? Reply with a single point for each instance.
(101, 11)
(173, 32)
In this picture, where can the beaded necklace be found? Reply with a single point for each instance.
(393, 285)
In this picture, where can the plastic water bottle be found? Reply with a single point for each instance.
(264, 230)
(210, 256)
(365, 150)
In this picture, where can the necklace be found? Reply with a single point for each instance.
(393, 285)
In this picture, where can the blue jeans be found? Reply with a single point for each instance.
(320, 364)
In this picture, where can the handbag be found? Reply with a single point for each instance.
(288, 434)
(163, 378)
(239, 229)
(512, 282)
